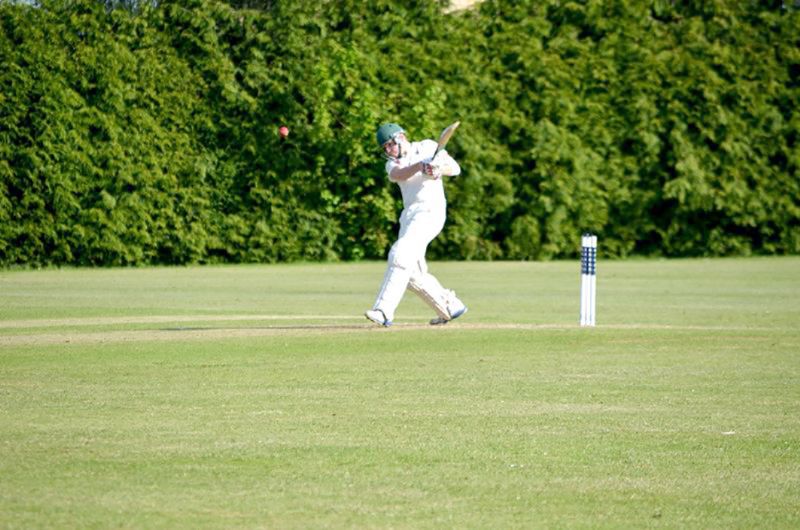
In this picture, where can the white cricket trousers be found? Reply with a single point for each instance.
(406, 266)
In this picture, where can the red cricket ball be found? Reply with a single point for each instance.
(284, 131)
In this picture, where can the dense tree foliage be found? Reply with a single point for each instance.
(147, 132)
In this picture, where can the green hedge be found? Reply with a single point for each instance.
(149, 135)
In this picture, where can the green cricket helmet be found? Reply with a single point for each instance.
(387, 131)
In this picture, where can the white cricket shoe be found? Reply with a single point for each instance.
(378, 316)
(438, 321)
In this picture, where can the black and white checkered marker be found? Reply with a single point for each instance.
(588, 279)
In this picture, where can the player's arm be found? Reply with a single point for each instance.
(400, 174)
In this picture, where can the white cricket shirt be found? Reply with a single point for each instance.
(419, 190)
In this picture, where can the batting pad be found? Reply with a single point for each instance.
(441, 300)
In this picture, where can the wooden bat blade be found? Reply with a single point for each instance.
(445, 136)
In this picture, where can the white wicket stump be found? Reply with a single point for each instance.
(588, 279)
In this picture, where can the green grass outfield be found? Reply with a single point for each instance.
(259, 397)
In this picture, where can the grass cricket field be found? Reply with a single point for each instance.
(260, 397)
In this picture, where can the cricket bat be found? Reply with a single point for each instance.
(445, 137)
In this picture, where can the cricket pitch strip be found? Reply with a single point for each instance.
(165, 328)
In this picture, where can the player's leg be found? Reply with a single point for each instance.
(417, 229)
(395, 281)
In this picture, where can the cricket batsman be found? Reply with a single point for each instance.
(410, 165)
